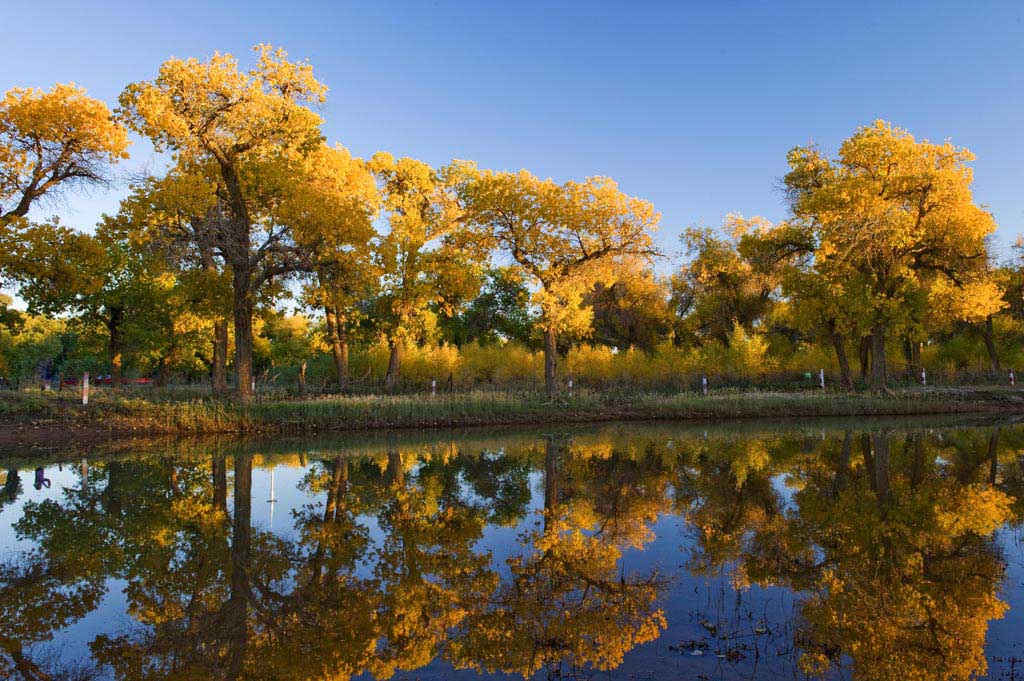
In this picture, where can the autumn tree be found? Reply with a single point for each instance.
(564, 237)
(632, 311)
(422, 258)
(248, 131)
(343, 200)
(895, 217)
(50, 141)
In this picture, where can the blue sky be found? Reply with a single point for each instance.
(692, 106)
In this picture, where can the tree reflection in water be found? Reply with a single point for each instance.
(885, 536)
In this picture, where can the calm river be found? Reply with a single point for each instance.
(859, 549)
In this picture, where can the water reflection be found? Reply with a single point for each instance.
(508, 554)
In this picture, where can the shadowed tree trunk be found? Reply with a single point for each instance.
(988, 335)
(551, 363)
(243, 310)
(163, 374)
(219, 370)
(878, 371)
(839, 343)
(865, 357)
(219, 378)
(115, 318)
(394, 364)
(912, 350)
(338, 337)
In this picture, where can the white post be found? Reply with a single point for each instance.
(704, 384)
(433, 387)
(821, 378)
(924, 378)
(1011, 377)
(85, 388)
(570, 387)
(254, 385)
(272, 500)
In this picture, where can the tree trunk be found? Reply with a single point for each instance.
(219, 379)
(237, 607)
(302, 378)
(163, 371)
(219, 370)
(220, 483)
(878, 373)
(990, 345)
(912, 350)
(114, 321)
(337, 335)
(243, 310)
(843, 465)
(865, 357)
(880, 469)
(993, 456)
(551, 363)
(552, 489)
(838, 342)
(396, 469)
(394, 364)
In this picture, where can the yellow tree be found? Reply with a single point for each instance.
(52, 140)
(422, 259)
(634, 310)
(895, 217)
(341, 200)
(565, 238)
(250, 129)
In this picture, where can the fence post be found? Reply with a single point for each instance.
(85, 388)
(924, 377)
(704, 384)
(821, 378)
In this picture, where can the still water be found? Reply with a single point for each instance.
(864, 550)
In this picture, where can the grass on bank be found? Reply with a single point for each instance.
(156, 414)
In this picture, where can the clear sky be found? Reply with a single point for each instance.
(690, 105)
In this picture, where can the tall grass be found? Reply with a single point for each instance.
(478, 407)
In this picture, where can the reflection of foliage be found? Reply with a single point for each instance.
(893, 553)
(566, 604)
(887, 538)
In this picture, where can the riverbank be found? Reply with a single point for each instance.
(32, 416)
